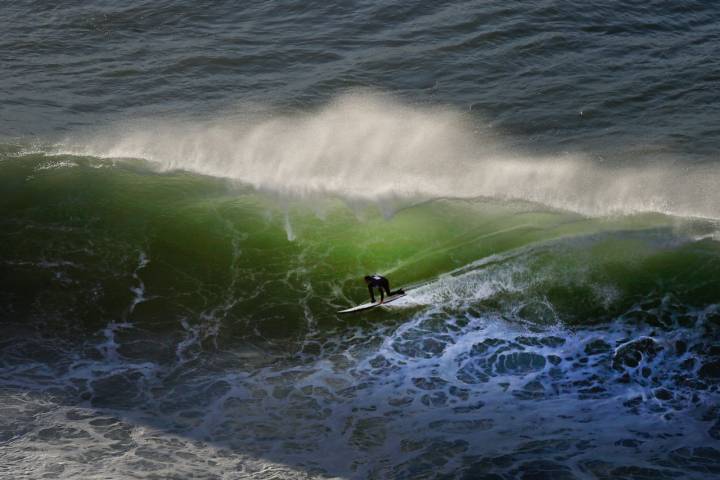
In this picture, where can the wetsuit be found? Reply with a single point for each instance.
(381, 283)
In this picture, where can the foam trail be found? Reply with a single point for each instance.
(288, 227)
(367, 146)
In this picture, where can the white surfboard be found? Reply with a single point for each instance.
(366, 306)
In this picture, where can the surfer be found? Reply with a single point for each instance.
(382, 284)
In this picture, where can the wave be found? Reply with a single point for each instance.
(172, 304)
(102, 238)
(372, 147)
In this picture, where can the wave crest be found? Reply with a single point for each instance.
(372, 147)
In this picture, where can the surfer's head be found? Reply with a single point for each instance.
(368, 279)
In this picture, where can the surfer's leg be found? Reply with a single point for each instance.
(385, 286)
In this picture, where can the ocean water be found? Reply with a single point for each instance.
(189, 191)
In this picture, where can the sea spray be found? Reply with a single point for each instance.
(373, 147)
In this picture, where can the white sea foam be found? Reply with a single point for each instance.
(52, 165)
(369, 146)
(465, 387)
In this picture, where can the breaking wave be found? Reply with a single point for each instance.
(371, 146)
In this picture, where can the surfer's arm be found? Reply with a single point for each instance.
(372, 295)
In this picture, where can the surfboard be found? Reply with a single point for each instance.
(369, 305)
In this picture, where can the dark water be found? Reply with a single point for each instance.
(189, 192)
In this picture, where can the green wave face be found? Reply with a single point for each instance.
(89, 241)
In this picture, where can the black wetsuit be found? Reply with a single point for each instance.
(381, 283)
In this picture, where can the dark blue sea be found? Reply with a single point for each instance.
(190, 191)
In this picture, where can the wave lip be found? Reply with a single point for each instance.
(372, 147)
